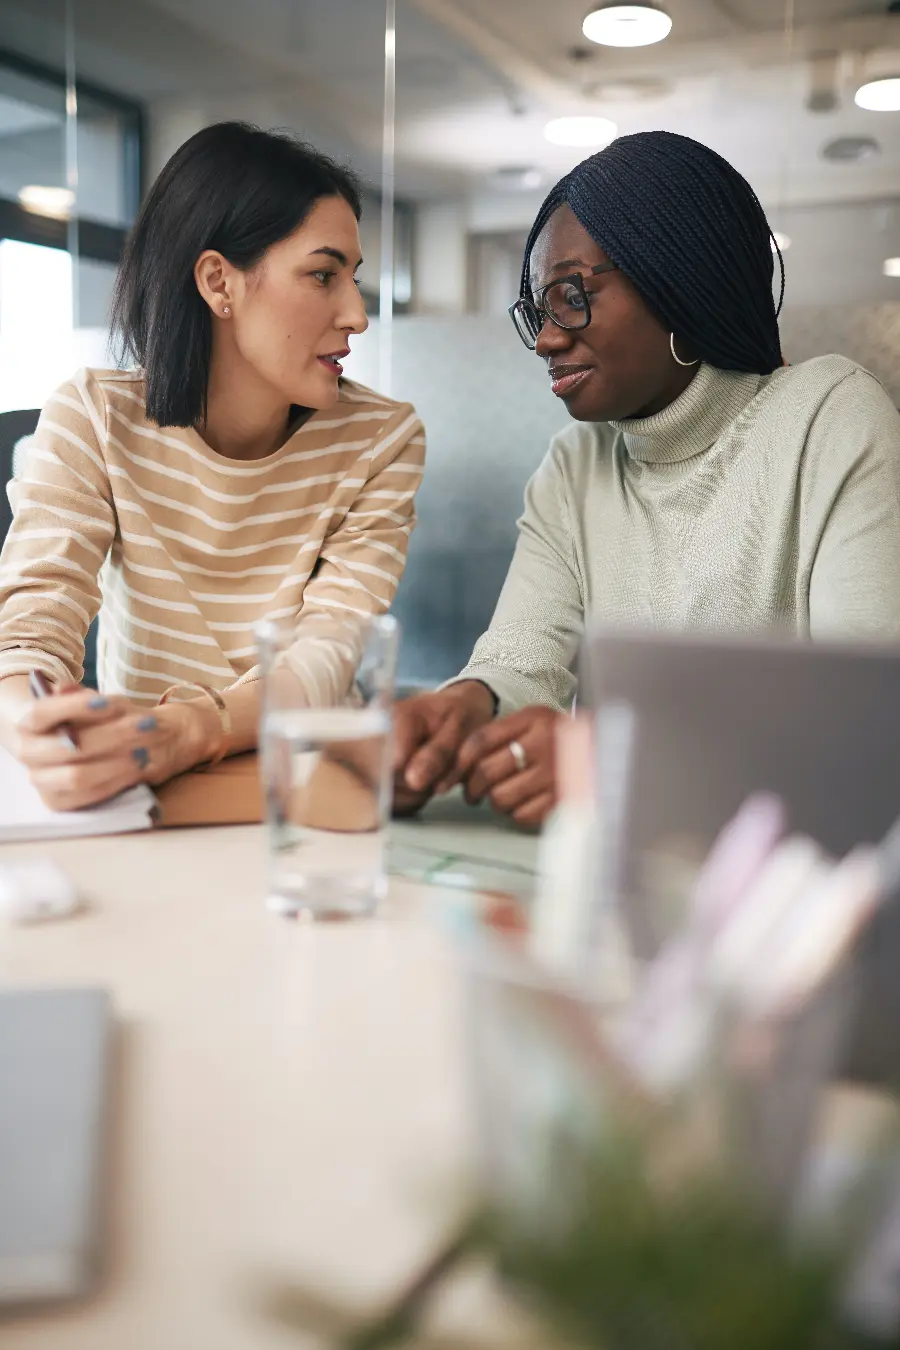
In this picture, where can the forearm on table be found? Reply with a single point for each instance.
(242, 702)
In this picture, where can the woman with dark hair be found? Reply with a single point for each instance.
(233, 475)
(704, 484)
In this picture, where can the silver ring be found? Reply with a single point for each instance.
(519, 756)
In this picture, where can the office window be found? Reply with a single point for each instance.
(35, 322)
(33, 145)
(66, 202)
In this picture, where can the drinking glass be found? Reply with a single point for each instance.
(325, 759)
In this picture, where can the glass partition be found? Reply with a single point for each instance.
(772, 86)
(69, 188)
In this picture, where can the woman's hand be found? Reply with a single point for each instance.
(524, 788)
(119, 744)
(429, 730)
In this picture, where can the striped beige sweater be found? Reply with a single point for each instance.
(187, 550)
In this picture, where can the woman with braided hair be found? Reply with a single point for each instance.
(703, 483)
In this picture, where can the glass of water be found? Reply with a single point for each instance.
(325, 759)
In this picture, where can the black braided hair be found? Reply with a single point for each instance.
(690, 233)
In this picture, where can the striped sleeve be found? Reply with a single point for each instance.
(362, 560)
(62, 530)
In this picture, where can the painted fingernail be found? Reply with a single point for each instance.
(140, 756)
(98, 703)
(147, 724)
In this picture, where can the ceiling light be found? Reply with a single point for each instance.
(627, 25)
(891, 267)
(48, 201)
(850, 149)
(880, 95)
(626, 91)
(580, 131)
(517, 178)
(782, 240)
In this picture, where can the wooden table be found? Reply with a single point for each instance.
(290, 1098)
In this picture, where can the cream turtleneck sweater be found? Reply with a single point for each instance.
(752, 503)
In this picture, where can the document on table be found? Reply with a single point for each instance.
(464, 848)
(23, 816)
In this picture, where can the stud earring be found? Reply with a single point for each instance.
(227, 309)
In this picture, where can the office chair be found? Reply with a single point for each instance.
(14, 426)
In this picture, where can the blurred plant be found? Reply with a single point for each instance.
(695, 1265)
(691, 1262)
(654, 1177)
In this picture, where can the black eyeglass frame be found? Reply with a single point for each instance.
(534, 305)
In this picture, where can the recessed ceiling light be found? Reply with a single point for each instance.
(634, 90)
(850, 149)
(891, 267)
(880, 95)
(48, 201)
(517, 178)
(782, 240)
(580, 131)
(627, 25)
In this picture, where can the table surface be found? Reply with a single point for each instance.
(290, 1099)
(290, 1104)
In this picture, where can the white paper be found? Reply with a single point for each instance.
(23, 816)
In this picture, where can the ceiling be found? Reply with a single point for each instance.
(477, 82)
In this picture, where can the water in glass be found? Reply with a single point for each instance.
(328, 785)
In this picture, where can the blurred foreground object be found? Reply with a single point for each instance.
(668, 1172)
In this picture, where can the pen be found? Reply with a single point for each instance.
(40, 688)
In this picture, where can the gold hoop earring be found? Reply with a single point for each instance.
(676, 357)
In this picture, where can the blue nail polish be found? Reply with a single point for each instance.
(98, 703)
(140, 756)
(147, 724)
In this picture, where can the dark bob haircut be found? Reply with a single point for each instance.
(232, 188)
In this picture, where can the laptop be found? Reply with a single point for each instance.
(54, 1089)
(718, 718)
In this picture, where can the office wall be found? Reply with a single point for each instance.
(489, 415)
(95, 291)
(439, 259)
(837, 249)
(870, 334)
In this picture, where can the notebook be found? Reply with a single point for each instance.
(24, 817)
(55, 1057)
(227, 794)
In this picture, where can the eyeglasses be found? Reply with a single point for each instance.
(564, 302)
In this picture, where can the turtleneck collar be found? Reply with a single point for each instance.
(689, 426)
